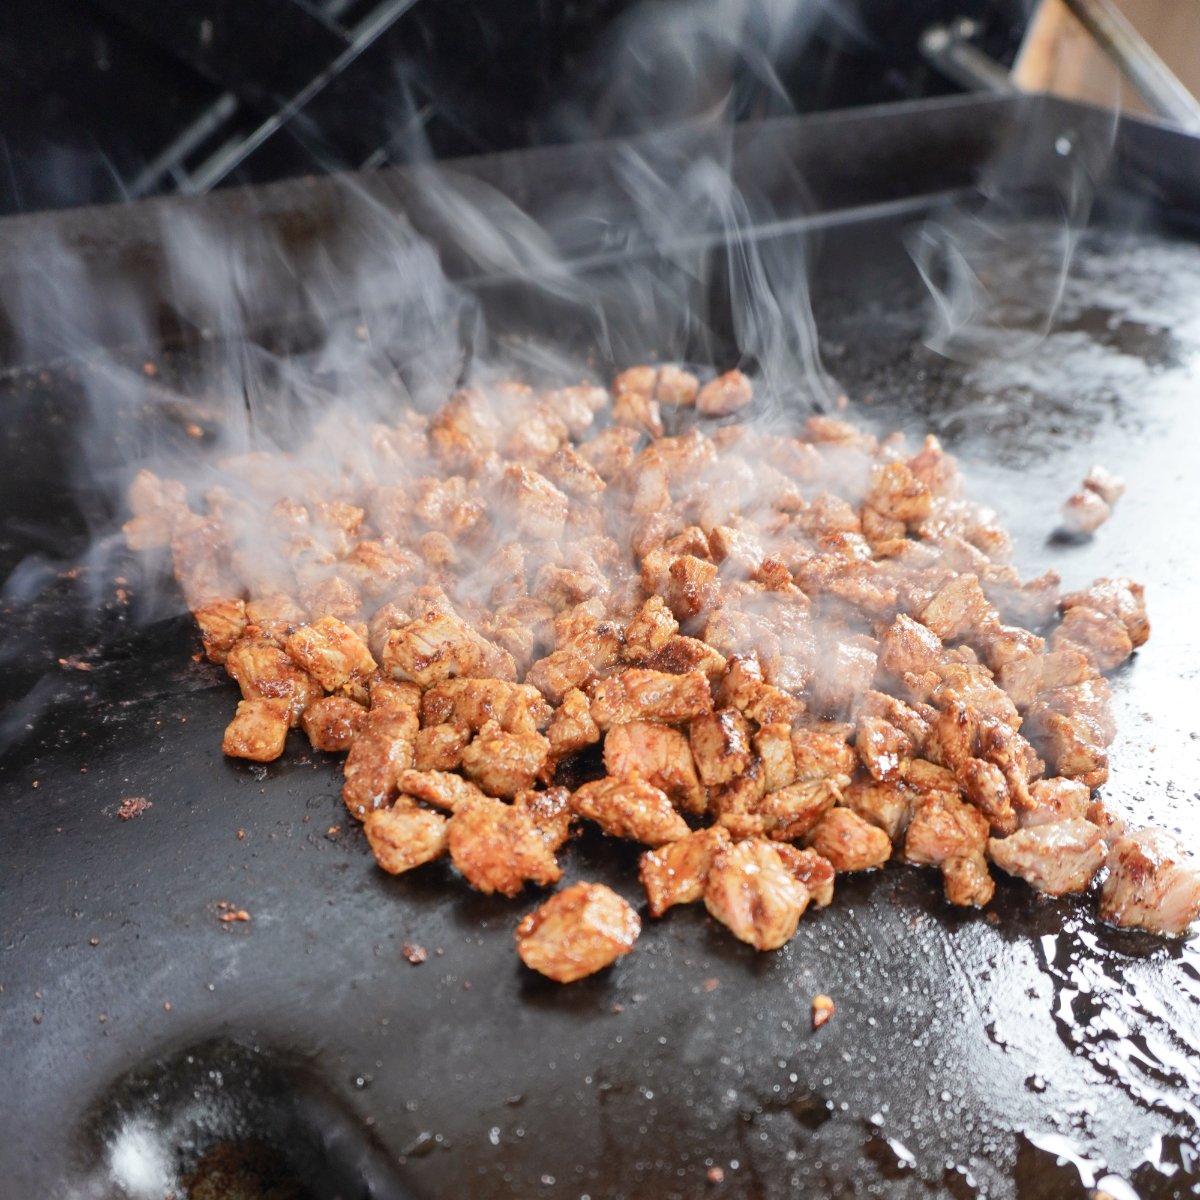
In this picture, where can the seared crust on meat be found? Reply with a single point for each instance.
(499, 847)
(258, 731)
(1153, 883)
(405, 836)
(849, 842)
(579, 931)
(630, 808)
(754, 895)
(677, 872)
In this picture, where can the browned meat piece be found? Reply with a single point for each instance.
(330, 652)
(958, 609)
(1084, 512)
(577, 405)
(676, 387)
(1007, 646)
(393, 696)
(971, 685)
(573, 473)
(1153, 883)
(790, 812)
(1102, 636)
(882, 748)
(816, 873)
(909, 646)
(550, 811)
(942, 828)
(822, 752)
(443, 789)
(1056, 800)
(637, 411)
(535, 505)
(897, 493)
(886, 803)
(558, 673)
(773, 744)
(472, 703)
(658, 754)
(1056, 859)
(1119, 598)
(727, 393)
(743, 689)
(571, 727)
(584, 631)
(683, 655)
(720, 745)
(405, 836)
(579, 931)
(739, 553)
(264, 672)
(1088, 701)
(275, 615)
(434, 647)
(676, 873)
(630, 808)
(754, 895)
(1031, 603)
(376, 568)
(650, 630)
(450, 505)
(334, 597)
(689, 587)
(440, 747)
(258, 731)
(844, 672)
(155, 504)
(1110, 823)
(1109, 487)
(642, 695)
(332, 722)
(984, 784)
(499, 848)
(849, 842)
(1071, 747)
(967, 882)
(221, 625)
(504, 764)
(381, 749)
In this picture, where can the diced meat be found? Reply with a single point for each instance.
(558, 673)
(440, 747)
(942, 828)
(843, 674)
(331, 653)
(909, 646)
(727, 393)
(1102, 636)
(849, 842)
(579, 931)
(882, 748)
(958, 608)
(405, 836)
(1153, 883)
(395, 697)
(967, 882)
(753, 894)
(258, 731)
(472, 703)
(221, 625)
(677, 872)
(504, 764)
(381, 749)
(1056, 800)
(443, 789)
(690, 588)
(1084, 512)
(550, 811)
(773, 744)
(720, 746)
(659, 754)
(684, 655)
(792, 812)
(816, 873)
(499, 848)
(1109, 487)
(538, 508)
(332, 722)
(984, 784)
(650, 630)
(637, 411)
(887, 803)
(897, 493)
(264, 672)
(639, 694)
(433, 647)
(676, 387)
(630, 808)
(1119, 598)
(823, 753)
(1057, 859)
(571, 727)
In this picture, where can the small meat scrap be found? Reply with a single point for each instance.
(499, 847)
(1084, 512)
(414, 954)
(258, 731)
(642, 695)
(1056, 859)
(133, 806)
(504, 764)
(660, 755)
(676, 873)
(822, 1009)
(630, 808)
(1153, 883)
(849, 842)
(332, 722)
(753, 894)
(579, 931)
(405, 836)
(1109, 487)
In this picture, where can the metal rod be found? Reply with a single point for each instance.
(949, 49)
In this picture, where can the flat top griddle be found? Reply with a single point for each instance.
(1028, 1051)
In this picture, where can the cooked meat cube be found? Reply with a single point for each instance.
(637, 411)
(538, 508)
(330, 652)
(897, 493)
(720, 745)
(971, 684)
(405, 836)
(472, 703)
(727, 393)
(773, 744)
(816, 873)
(334, 597)
(571, 727)
(958, 608)
(332, 722)
(882, 748)
(1088, 701)
(736, 804)
(739, 552)
(579, 931)
(639, 694)
(573, 473)
(504, 764)
(683, 655)
(381, 749)
(1056, 800)
(450, 505)
(942, 828)
(1110, 823)
(1084, 512)
(375, 568)
(676, 387)
(849, 842)
(393, 695)
(581, 631)
(499, 848)
(443, 789)
(1153, 883)
(1119, 598)
(929, 779)
(155, 503)
(611, 451)
(221, 625)
(1102, 636)
(843, 674)
(1072, 747)
(275, 615)
(753, 894)
(887, 803)
(690, 587)
(434, 647)
(823, 753)
(558, 673)
(660, 755)
(984, 784)
(1056, 859)
(258, 731)
(791, 812)
(909, 646)
(1022, 679)
(264, 672)
(440, 747)
(967, 882)
(650, 630)
(1109, 487)
(676, 873)
(630, 808)
(550, 811)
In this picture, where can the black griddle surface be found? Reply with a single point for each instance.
(1027, 1051)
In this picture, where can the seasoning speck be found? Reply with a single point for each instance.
(822, 1009)
(415, 954)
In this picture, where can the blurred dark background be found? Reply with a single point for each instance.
(102, 100)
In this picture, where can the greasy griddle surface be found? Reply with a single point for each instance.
(967, 1049)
